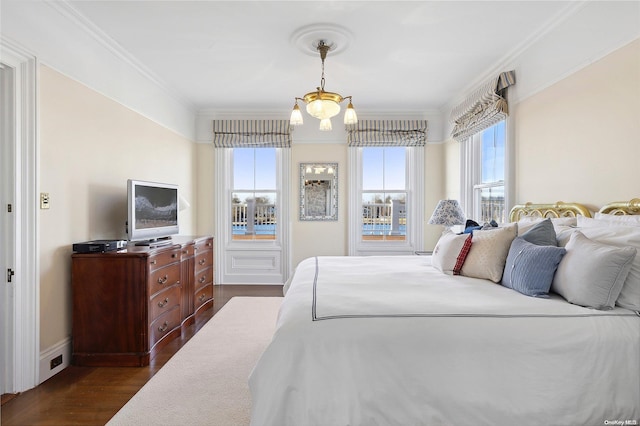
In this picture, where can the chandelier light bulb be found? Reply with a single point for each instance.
(325, 124)
(296, 116)
(350, 116)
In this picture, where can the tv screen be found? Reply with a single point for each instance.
(152, 210)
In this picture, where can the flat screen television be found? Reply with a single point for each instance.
(152, 212)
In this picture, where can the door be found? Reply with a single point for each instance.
(19, 327)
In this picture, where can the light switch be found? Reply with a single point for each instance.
(44, 200)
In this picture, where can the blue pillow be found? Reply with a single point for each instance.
(530, 268)
(541, 234)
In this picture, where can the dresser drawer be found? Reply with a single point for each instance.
(187, 250)
(164, 301)
(202, 295)
(204, 260)
(163, 278)
(203, 245)
(164, 324)
(203, 277)
(163, 258)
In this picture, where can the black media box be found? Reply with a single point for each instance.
(99, 246)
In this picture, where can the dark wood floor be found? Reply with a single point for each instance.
(92, 395)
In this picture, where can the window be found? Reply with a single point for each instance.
(384, 196)
(254, 194)
(485, 174)
(386, 193)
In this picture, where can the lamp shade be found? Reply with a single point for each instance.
(447, 213)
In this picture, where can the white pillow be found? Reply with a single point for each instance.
(488, 254)
(618, 236)
(627, 220)
(591, 273)
(527, 222)
(450, 252)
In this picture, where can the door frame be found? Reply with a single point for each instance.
(22, 328)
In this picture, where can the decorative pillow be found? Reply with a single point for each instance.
(530, 267)
(541, 234)
(525, 223)
(626, 220)
(489, 250)
(619, 236)
(591, 274)
(587, 222)
(450, 252)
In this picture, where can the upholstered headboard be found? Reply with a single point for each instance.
(559, 209)
(622, 207)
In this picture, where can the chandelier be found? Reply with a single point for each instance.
(321, 104)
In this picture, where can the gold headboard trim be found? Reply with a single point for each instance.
(559, 209)
(622, 207)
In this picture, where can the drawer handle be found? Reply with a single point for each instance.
(153, 262)
(202, 262)
(163, 327)
(164, 302)
(174, 255)
(209, 244)
(163, 279)
(202, 279)
(202, 297)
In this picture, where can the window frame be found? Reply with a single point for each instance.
(471, 173)
(224, 243)
(414, 188)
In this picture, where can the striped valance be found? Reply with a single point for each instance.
(387, 133)
(251, 134)
(484, 108)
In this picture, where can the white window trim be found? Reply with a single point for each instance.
(222, 194)
(415, 207)
(470, 174)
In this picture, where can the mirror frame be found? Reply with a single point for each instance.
(331, 192)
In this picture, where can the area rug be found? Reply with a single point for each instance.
(206, 381)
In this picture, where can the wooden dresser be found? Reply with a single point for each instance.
(130, 303)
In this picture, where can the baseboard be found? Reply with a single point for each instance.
(62, 348)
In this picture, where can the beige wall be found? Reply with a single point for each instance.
(89, 147)
(318, 238)
(579, 140)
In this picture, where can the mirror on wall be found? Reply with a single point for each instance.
(318, 191)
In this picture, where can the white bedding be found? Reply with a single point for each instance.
(392, 341)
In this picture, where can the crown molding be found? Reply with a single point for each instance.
(66, 9)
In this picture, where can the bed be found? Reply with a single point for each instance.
(398, 341)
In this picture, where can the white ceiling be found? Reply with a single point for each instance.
(407, 56)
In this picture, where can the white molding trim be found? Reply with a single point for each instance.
(65, 8)
(26, 320)
(63, 348)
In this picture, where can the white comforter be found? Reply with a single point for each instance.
(392, 341)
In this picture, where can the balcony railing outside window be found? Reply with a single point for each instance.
(253, 220)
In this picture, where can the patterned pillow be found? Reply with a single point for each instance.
(530, 267)
(450, 252)
(489, 250)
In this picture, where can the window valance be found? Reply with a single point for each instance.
(251, 134)
(387, 133)
(484, 108)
